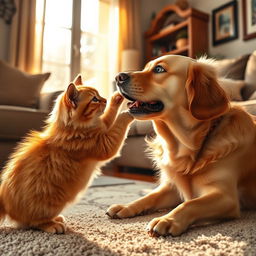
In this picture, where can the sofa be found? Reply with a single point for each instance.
(22, 106)
(239, 84)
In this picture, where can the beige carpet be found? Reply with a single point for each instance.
(92, 233)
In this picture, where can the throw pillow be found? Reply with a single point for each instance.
(18, 88)
(232, 68)
(250, 76)
(232, 88)
(253, 96)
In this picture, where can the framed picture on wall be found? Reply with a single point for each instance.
(249, 19)
(225, 23)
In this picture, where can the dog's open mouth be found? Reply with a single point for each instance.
(140, 107)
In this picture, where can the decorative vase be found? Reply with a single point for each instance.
(181, 42)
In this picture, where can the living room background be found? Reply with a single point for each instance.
(231, 49)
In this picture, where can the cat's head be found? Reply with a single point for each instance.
(79, 105)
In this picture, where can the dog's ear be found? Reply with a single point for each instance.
(78, 80)
(206, 99)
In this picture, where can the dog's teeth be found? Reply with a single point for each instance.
(133, 104)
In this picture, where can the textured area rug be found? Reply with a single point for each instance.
(91, 232)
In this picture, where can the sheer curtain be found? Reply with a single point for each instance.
(92, 48)
(99, 62)
(99, 49)
(113, 46)
(22, 51)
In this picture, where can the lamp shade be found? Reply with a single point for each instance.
(130, 60)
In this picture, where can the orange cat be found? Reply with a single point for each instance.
(50, 168)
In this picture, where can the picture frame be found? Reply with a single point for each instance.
(225, 23)
(249, 19)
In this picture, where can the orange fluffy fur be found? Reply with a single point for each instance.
(50, 168)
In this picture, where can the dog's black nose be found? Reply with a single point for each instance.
(122, 78)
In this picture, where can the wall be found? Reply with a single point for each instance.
(4, 40)
(235, 47)
(148, 7)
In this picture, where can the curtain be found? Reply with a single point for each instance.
(124, 32)
(99, 60)
(130, 35)
(22, 37)
(113, 46)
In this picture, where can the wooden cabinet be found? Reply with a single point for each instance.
(167, 26)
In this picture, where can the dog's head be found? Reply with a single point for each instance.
(173, 81)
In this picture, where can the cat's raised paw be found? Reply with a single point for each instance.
(117, 98)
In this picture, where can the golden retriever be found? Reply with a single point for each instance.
(205, 148)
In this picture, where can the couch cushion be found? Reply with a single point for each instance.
(232, 88)
(139, 128)
(47, 100)
(133, 153)
(232, 68)
(253, 96)
(17, 121)
(248, 105)
(18, 88)
(250, 77)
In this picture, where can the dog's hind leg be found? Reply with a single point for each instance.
(164, 196)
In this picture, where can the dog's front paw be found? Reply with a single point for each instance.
(118, 211)
(164, 225)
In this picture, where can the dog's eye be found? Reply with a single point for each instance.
(95, 99)
(159, 69)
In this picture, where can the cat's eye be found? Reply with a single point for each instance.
(158, 69)
(95, 99)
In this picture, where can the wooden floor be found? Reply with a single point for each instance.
(117, 172)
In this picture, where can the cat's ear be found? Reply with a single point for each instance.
(72, 95)
(78, 80)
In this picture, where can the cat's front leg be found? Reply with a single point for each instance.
(111, 112)
(54, 226)
(110, 142)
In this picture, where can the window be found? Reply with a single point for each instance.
(79, 36)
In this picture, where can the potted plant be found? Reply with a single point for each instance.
(182, 39)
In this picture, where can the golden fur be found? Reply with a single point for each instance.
(50, 168)
(205, 147)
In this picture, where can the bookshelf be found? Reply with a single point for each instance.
(169, 22)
